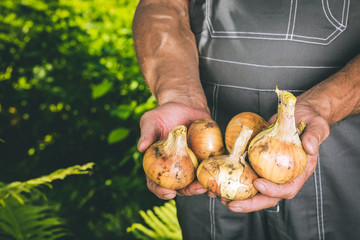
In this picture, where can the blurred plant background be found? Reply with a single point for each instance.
(71, 93)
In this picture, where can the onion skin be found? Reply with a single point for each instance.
(277, 161)
(276, 153)
(249, 119)
(205, 139)
(209, 172)
(170, 163)
(229, 176)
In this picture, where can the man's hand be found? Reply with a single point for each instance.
(316, 131)
(155, 125)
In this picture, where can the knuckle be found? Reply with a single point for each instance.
(325, 128)
(274, 204)
(291, 195)
(184, 192)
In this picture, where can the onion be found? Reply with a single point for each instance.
(277, 153)
(170, 163)
(230, 176)
(249, 119)
(205, 139)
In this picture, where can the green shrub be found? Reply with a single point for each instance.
(71, 92)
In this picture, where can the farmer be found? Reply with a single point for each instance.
(212, 58)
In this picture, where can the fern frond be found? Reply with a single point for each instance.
(30, 222)
(15, 189)
(167, 214)
(142, 232)
(162, 224)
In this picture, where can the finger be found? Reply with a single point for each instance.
(211, 194)
(150, 132)
(286, 190)
(194, 188)
(225, 201)
(315, 133)
(256, 203)
(160, 192)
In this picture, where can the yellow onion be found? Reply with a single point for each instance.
(230, 176)
(205, 139)
(249, 119)
(277, 153)
(170, 163)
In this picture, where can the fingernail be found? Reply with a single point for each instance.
(313, 145)
(260, 187)
(236, 209)
(201, 190)
(141, 141)
(169, 196)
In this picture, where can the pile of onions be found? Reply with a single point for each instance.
(275, 152)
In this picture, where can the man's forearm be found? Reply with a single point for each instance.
(166, 52)
(338, 96)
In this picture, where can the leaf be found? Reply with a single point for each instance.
(117, 135)
(163, 225)
(101, 89)
(15, 189)
(124, 111)
(30, 222)
(148, 105)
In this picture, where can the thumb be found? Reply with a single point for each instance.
(150, 132)
(315, 133)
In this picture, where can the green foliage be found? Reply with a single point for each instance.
(20, 219)
(163, 223)
(71, 92)
(15, 189)
(118, 134)
(101, 89)
(30, 222)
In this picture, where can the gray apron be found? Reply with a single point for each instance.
(246, 48)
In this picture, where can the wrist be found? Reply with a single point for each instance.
(195, 100)
(336, 97)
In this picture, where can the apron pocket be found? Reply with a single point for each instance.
(313, 22)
